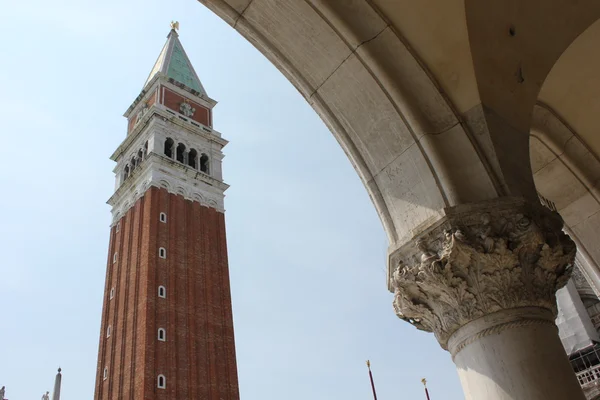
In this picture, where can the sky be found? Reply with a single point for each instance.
(307, 251)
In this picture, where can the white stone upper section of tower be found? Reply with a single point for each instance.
(170, 141)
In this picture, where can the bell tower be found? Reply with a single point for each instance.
(167, 326)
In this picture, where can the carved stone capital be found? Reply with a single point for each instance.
(480, 259)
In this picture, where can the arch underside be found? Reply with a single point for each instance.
(433, 101)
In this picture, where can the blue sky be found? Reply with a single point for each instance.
(307, 250)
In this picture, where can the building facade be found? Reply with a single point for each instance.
(579, 328)
(167, 325)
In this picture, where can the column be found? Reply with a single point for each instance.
(483, 279)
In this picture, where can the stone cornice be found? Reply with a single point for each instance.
(480, 259)
(157, 111)
(183, 90)
(160, 171)
(497, 322)
(192, 126)
(144, 94)
(154, 158)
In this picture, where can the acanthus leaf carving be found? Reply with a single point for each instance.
(481, 262)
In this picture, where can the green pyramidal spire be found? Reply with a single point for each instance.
(174, 63)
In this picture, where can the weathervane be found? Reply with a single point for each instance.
(175, 25)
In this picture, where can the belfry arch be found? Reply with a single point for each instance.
(565, 159)
(438, 124)
(565, 172)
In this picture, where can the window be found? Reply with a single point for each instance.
(112, 293)
(204, 167)
(108, 331)
(162, 292)
(181, 153)
(162, 382)
(162, 334)
(169, 147)
(126, 172)
(115, 258)
(163, 217)
(162, 253)
(192, 158)
(118, 226)
(105, 375)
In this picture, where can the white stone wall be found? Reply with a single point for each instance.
(156, 169)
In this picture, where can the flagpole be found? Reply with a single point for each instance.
(424, 381)
(371, 378)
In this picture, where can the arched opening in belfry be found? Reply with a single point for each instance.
(140, 155)
(193, 158)
(133, 163)
(126, 172)
(204, 164)
(181, 153)
(169, 147)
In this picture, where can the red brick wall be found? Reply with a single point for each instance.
(198, 357)
(133, 118)
(131, 123)
(151, 100)
(173, 100)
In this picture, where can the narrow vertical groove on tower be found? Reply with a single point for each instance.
(149, 357)
(206, 310)
(135, 305)
(190, 309)
(115, 308)
(130, 306)
(124, 289)
(105, 312)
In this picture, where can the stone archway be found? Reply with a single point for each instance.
(432, 102)
(567, 164)
(567, 174)
(377, 98)
(566, 168)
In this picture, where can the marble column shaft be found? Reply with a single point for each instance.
(483, 279)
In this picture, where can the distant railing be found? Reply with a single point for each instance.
(190, 121)
(589, 375)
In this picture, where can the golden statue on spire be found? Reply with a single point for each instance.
(175, 25)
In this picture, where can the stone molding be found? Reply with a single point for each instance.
(480, 259)
(495, 323)
(152, 118)
(583, 283)
(159, 171)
